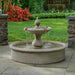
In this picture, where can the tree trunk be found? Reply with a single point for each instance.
(7, 4)
(0, 4)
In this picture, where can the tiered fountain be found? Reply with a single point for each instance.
(37, 51)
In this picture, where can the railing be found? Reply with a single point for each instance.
(56, 1)
(61, 4)
(57, 6)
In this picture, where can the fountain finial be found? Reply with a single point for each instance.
(37, 22)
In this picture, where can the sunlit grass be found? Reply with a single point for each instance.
(58, 33)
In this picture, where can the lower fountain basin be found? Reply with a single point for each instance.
(24, 52)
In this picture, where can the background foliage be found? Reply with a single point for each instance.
(51, 15)
(35, 6)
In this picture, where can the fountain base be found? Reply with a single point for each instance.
(37, 56)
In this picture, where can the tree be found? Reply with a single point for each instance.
(6, 4)
(0, 4)
(24, 3)
(36, 6)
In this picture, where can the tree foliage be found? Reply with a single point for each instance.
(35, 6)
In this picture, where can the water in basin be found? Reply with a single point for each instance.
(45, 46)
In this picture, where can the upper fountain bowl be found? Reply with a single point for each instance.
(36, 30)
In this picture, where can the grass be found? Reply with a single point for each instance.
(58, 33)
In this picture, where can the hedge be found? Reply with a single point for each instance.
(51, 15)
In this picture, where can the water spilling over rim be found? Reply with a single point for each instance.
(25, 46)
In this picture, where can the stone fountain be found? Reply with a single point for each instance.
(37, 51)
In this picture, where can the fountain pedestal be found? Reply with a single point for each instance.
(37, 42)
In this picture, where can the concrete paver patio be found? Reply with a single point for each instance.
(9, 67)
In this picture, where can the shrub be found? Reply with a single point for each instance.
(51, 15)
(18, 14)
(36, 6)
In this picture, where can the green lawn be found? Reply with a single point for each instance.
(58, 33)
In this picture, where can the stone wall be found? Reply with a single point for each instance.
(3, 29)
(71, 31)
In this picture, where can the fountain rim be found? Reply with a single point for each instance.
(38, 29)
(37, 50)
